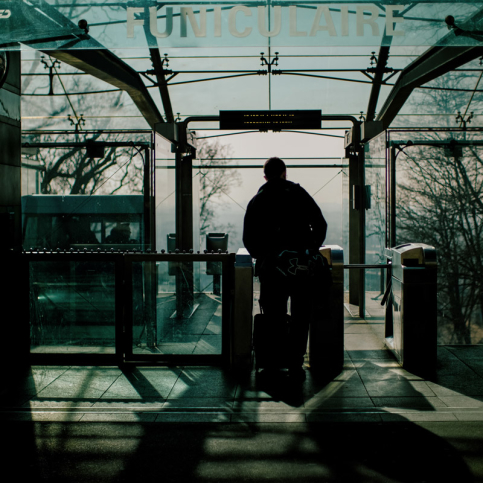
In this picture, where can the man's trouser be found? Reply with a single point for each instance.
(275, 291)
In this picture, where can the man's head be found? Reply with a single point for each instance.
(274, 168)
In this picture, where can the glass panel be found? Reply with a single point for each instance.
(374, 311)
(170, 314)
(83, 191)
(447, 101)
(165, 195)
(237, 178)
(439, 192)
(375, 172)
(345, 224)
(237, 24)
(72, 307)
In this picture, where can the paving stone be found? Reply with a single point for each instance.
(192, 417)
(343, 417)
(58, 403)
(268, 418)
(204, 382)
(316, 403)
(467, 353)
(263, 405)
(391, 388)
(462, 401)
(44, 416)
(144, 382)
(337, 389)
(421, 416)
(427, 403)
(469, 416)
(201, 403)
(132, 417)
(130, 404)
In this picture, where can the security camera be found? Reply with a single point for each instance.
(450, 22)
(83, 25)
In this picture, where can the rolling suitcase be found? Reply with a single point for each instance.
(271, 342)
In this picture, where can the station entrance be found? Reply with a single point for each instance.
(177, 310)
(117, 85)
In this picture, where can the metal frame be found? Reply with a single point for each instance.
(391, 173)
(227, 261)
(148, 175)
(91, 57)
(433, 63)
(77, 358)
(123, 323)
(356, 213)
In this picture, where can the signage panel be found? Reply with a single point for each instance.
(206, 23)
(270, 120)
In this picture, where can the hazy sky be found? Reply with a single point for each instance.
(286, 146)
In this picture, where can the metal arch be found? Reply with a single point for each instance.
(162, 83)
(91, 57)
(160, 73)
(433, 63)
(377, 82)
(106, 66)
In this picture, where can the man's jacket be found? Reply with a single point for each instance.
(282, 216)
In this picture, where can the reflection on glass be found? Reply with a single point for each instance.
(170, 315)
(165, 194)
(374, 311)
(72, 307)
(375, 172)
(78, 221)
(439, 192)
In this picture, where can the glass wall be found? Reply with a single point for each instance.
(170, 314)
(375, 174)
(72, 307)
(84, 190)
(83, 186)
(439, 192)
(165, 199)
(231, 173)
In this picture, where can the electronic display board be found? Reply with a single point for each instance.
(270, 120)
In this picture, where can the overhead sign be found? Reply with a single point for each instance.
(236, 23)
(235, 16)
(270, 120)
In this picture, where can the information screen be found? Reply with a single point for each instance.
(270, 120)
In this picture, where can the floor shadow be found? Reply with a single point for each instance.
(350, 452)
(279, 387)
(375, 444)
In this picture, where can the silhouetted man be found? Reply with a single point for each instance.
(283, 228)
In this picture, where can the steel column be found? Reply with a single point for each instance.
(357, 220)
(184, 233)
(392, 196)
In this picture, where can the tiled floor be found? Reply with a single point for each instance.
(374, 422)
(372, 387)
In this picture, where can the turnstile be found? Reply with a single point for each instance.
(242, 320)
(411, 318)
(326, 336)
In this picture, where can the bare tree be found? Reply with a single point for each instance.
(75, 103)
(440, 202)
(439, 198)
(71, 170)
(215, 183)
